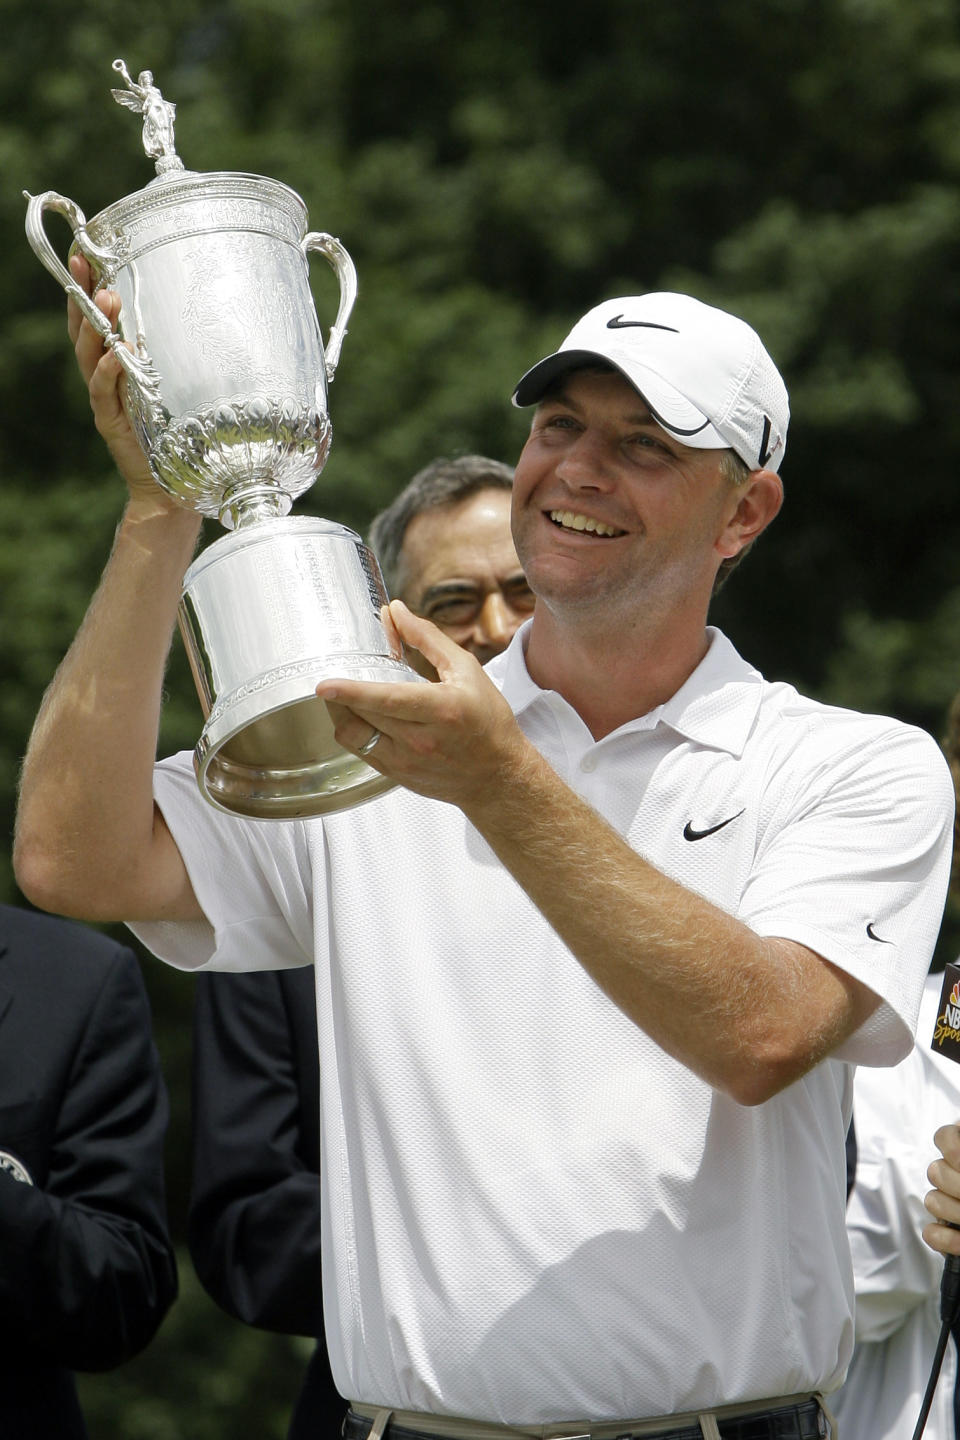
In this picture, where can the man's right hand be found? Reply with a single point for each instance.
(943, 1203)
(104, 377)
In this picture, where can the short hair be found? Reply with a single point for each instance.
(444, 482)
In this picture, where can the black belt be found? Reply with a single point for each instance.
(789, 1422)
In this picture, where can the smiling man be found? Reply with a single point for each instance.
(591, 982)
(445, 550)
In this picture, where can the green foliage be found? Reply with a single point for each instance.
(494, 170)
(898, 666)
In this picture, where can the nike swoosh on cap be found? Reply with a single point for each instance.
(618, 323)
(879, 938)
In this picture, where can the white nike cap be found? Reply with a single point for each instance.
(704, 373)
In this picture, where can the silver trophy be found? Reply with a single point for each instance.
(226, 387)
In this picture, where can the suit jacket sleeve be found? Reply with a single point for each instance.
(88, 1270)
(254, 1221)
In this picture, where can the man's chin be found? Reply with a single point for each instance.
(562, 589)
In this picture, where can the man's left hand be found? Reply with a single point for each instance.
(450, 740)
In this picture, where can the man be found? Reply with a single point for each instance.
(87, 1270)
(445, 550)
(587, 1024)
(942, 1235)
(254, 1223)
(897, 1278)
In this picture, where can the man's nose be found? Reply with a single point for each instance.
(584, 464)
(495, 623)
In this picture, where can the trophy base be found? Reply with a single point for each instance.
(285, 763)
(266, 613)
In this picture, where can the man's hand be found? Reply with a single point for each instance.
(943, 1203)
(452, 740)
(104, 378)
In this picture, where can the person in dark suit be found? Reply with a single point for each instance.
(87, 1270)
(444, 546)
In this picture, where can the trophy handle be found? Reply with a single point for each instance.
(137, 371)
(340, 262)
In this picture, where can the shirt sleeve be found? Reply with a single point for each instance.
(853, 861)
(894, 1270)
(252, 879)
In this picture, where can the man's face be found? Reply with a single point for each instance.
(459, 568)
(610, 511)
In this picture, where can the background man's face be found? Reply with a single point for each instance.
(461, 571)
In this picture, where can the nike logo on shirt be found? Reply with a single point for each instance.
(690, 834)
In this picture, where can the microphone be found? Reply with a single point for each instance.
(950, 1286)
(946, 1041)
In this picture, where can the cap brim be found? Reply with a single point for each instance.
(669, 408)
(533, 385)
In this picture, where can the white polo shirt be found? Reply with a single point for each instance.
(531, 1212)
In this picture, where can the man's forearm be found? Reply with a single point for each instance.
(652, 945)
(85, 826)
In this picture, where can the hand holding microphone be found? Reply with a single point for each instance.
(943, 1203)
(945, 1175)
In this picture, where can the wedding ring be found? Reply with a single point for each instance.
(369, 745)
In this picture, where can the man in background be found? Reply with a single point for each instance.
(87, 1270)
(896, 1277)
(445, 548)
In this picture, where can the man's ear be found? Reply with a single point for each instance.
(758, 501)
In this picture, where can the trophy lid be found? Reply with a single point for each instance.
(137, 220)
(144, 97)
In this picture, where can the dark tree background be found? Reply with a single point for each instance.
(494, 170)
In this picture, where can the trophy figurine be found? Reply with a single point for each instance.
(226, 378)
